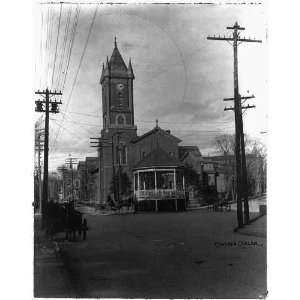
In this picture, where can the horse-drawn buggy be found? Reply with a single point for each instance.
(125, 201)
(64, 218)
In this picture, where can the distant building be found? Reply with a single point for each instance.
(71, 185)
(88, 179)
(82, 176)
(225, 169)
(54, 187)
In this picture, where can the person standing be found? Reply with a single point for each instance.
(84, 228)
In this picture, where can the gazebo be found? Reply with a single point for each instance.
(158, 181)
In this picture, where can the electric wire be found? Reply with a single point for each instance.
(56, 47)
(73, 34)
(79, 66)
(50, 25)
(62, 56)
(41, 46)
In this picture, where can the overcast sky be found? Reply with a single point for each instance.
(180, 76)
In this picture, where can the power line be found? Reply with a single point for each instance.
(80, 123)
(70, 132)
(73, 34)
(84, 114)
(51, 21)
(79, 66)
(181, 123)
(41, 47)
(55, 55)
(62, 56)
(151, 121)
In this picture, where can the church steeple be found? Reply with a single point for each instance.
(130, 71)
(117, 92)
(116, 63)
(102, 73)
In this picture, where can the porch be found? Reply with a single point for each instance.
(159, 189)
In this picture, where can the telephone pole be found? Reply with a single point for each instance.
(63, 170)
(71, 161)
(241, 168)
(39, 133)
(43, 106)
(100, 143)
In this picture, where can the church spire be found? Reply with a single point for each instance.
(116, 63)
(102, 73)
(129, 70)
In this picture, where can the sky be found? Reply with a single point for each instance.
(181, 77)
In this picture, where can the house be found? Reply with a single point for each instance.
(225, 169)
(70, 185)
(88, 179)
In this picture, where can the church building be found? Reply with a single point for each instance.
(150, 161)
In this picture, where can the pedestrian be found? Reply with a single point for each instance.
(84, 228)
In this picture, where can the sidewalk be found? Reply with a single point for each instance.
(257, 228)
(96, 212)
(50, 278)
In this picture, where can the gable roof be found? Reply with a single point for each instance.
(154, 131)
(116, 63)
(158, 158)
(184, 151)
(116, 66)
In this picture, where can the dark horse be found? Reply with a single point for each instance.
(125, 201)
(63, 218)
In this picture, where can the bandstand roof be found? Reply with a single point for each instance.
(158, 158)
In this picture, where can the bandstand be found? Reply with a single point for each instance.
(159, 183)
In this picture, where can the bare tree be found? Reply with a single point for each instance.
(255, 159)
(224, 144)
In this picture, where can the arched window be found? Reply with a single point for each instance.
(120, 120)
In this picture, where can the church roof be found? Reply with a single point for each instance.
(115, 66)
(158, 158)
(116, 63)
(153, 131)
(130, 71)
(184, 151)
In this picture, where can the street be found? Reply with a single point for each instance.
(166, 255)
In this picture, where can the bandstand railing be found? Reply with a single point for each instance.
(159, 194)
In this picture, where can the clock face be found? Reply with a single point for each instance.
(120, 86)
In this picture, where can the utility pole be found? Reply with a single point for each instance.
(86, 182)
(241, 169)
(100, 143)
(71, 161)
(39, 133)
(43, 106)
(63, 169)
(119, 169)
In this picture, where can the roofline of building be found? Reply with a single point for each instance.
(157, 167)
(152, 131)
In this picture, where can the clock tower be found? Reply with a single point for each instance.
(117, 95)
(118, 122)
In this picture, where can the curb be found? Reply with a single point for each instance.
(236, 229)
(63, 271)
